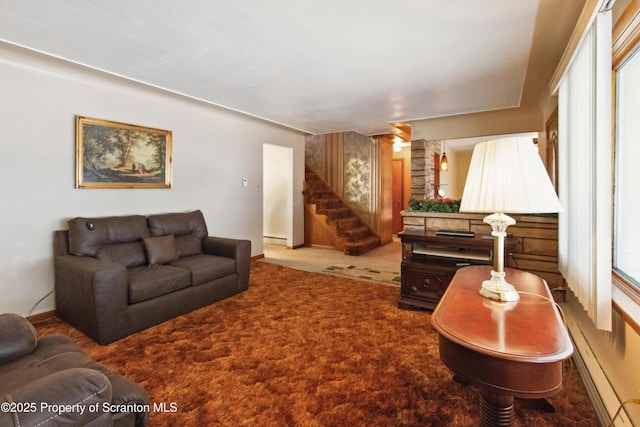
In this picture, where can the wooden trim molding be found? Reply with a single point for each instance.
(625, 286)
(588, 14)
(626, 34)
(630, 291)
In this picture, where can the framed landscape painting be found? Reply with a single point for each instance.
(120, 155)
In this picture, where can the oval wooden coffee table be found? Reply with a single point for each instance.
(508, 349)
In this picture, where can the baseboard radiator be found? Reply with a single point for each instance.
(602, 395)
(275, 240)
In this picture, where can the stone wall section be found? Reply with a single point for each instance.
(423, 168)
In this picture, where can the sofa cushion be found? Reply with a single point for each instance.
(116, 239)
(146, 283)
(205, 268)
(189, 228)
(161, 249)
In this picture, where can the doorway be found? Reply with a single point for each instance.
(277, 170)
(397, 194)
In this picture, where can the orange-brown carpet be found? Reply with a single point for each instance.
(307, 349)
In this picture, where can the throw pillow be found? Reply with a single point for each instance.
(161, 249)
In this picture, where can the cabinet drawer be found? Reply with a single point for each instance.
(425, 283)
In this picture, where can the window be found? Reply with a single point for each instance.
(626, 194)
(626, 252)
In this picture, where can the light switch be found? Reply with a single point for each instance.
(245, 182)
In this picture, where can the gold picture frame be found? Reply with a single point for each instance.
(120, 155)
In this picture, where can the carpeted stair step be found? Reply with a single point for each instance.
(361, 246)
(313, 196)
(343, 225)
(358, 234)
(333, 214)
(316, 186)
(324, 204)
(310, 175)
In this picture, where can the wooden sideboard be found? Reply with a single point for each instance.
(536, 237)
(430, 260)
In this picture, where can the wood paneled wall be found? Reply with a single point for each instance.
(383, 174)
(333, 162)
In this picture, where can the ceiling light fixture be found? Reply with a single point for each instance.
(401, 136)
(444, 162)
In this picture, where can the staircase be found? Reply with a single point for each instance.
(337, 223)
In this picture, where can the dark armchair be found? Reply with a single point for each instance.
(50, 381)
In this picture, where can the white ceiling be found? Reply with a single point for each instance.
(317, 66)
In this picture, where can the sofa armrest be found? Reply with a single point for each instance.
(129, 394)
(73, 396)
(17, 337)
(230, 248)
(61, 242)
(92, 295)
(238, 249)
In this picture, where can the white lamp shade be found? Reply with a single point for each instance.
(507, 175)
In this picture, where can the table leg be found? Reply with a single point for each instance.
(496, 409)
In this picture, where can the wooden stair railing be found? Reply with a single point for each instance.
(340, 225)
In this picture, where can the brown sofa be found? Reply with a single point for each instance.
(118, 275)
(50, 381)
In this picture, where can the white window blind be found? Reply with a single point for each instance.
(584, 172)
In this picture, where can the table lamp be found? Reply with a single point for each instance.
(506, 175)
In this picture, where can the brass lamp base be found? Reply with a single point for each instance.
(498, 289)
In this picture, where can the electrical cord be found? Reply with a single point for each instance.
(636, 401)
(38, 302)
(547, 299)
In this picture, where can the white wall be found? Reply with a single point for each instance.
(213, 149)
(452, 181)
(614, 355)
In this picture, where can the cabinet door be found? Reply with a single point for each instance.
(425, 283)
